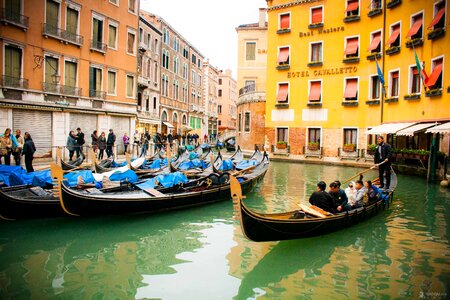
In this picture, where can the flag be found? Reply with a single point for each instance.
(380, 76)
(420, 70)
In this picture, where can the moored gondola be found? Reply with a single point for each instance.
(262, 227)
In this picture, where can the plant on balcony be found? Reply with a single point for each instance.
(315, 63)
(411, 97)
(393, 3)
(393, 50)
(391, 100)
(371, 148)
(313, 146)
(414, 43)
(349, 147)
(374, 56)
(374, 12)
(350, 60)
(315, 25)
(433, 92)
(281, 145)
(436, 33)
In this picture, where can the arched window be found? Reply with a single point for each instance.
(164, 116)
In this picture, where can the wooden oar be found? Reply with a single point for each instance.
(363, 172)
(243, 170)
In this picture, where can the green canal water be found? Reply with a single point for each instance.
(200, 253)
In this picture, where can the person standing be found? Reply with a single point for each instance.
(71, 144)
(126, 142)
(136, 141)
(17, 151)
(6, 147)
(94, 137)
(383, 154)
(110, 141)
(28, 152)
(101, 145)
(80, 142)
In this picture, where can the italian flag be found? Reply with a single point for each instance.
(421, 70)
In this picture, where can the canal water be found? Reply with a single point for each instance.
(201, 253)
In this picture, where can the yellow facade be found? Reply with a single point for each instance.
(332, 114)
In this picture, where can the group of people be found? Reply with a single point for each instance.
(17, 146)
(358, 193)
(100, 143)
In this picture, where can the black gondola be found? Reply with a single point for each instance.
(78, 202)
(73, 164)
(261, 227)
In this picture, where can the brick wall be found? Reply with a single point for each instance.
(247, 140)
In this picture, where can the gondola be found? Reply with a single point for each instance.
(84, 202)
(73, 164)
(261, 227)
(104, 165)
(238, 156)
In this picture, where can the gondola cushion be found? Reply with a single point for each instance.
(227, 165)
(169, 180)
(246, 164)
(39, 178)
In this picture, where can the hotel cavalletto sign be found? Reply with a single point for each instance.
(323, 72)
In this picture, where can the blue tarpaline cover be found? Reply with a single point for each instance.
(191, 164)
(169, 180)
(246, 163)
(129, 176)
(6, 171)
(39, 178)
(227, 165)
(72, 177)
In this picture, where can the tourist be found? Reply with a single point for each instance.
(382, 157)
(350, 190)
(6, 147)
(372, 192)
(80, 142)
(17, 149)
(126, 142)
(71, 144)
(110, 141)
(322, 199)
(357, 199)
(94, 137)
(101, 145)
(339, 196)
(136, 141)
(28, 152)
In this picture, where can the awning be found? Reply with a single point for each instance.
(168, 124)
(394, 35)
(316, 15)
(314, 93)
(443, 128)
(351, 88)
(148, 121)
(437, 18)
(282, 92)
(186, 128)
(352, 5)
(375, 42)
(413, 129)
(434, 76)
(285, 21)
(283, 56)
(389, 128)
(352, 46)
(415, 27)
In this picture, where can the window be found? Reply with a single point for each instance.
(393, 83)
(112, 35)
(130, 86)
(199, 82)
(97, 33)
(165, 85)
(249, 82)
(147, 104)
(194, 59)
(350, 136)
(13, 11)
(112, 75)
(220, 81)
(164, 116)
(375, 42)
(193, 76)
(284, 21)
(176, 87)
(141, 35)
(115, 2)
(239, 122)
(184, 95)
(175, 65)
(12, 66)
(415, 31)
(247, 122)
(199, 63)
(282, 135)
(283, 56)
(131, 42)
(314, 135)
(166, 36)
(352, 8)
(316, 15)
(351, 89)
(438, 21)
(155, 46)
(375, 4)
(185, 71)
(219, 109)
(283, 93)
(374, 87)
(250, 51)
(51, 72)
(316, 52)
(132, 6)
(435, 79)
(394, 39)
(52, 17)
(414, 78)
(220, 93)
(154, 103)
(315, 91)
(71, 23)
(70, 73)
(352, 47)
(186, 52)
(148, 40)
(95, 81)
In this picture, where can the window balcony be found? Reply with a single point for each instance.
(13, 18)
(393, 50)
(375, 12)
(98, 46)
(247, 89)
(350, 60)
(393, 3)
(349, 19)
(14, 82)
(142, 46)
(417, 42)
(413, 96)
(350, 103)
(392, 99)
(142, 81)
(61, 34)
(50, 87)
(97, 94)
(433, 93)
(374, 56)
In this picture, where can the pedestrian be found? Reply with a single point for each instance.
(71, 144)
(80, 142)
(101, 145)
(383, 154)
(28, 152)
(6, 147)
(110, 141)
(136, 141)
(17, 150)
(94, 137)
(126, 142)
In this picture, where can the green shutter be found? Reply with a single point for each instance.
(70, 77)
(97, 30)
(13, 61)
(91, 78)
(12, 6)
(51, 69)
(72, 20)
(52, 13)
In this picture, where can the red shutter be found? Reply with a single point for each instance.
(394, 35)
(415, 27)
(283, 56)
(435, 75)
(375, 42)
(282, 92)
(285, 21)
(437, 18)
(352, 46)
(395, 75)
(314, 93)
(351, 88)
(316, 15)
(415, 71)
(352, 5)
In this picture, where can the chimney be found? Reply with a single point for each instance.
(262, 17)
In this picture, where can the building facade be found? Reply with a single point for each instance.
(226, 99)
(68, 64)
(324, 90)
(210, 92)
(251, 82)
(196, 85)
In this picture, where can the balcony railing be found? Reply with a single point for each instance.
(97, 94)
(14, 18)
(98, 46)
(14, 82)
(247, 89)
(70, 90)
(62, 34)
(142, 81)
(50, 87)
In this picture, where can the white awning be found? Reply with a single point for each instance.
(443, 128)
(148, 121)
(168, 124)
(186, 128)
(389, 128)
(413, 129)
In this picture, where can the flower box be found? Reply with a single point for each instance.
(433, 93)
(351, 19)
(315, 64)
(313, 146)
(349, 148)
(412, 97)
(281, 145)
(393, 50)
(393, 3)
(374, 56)
(374, 12)
(414, 43)
(316, 25)
(281, 31)
(435, 34)
(391, 100)
(350, 60)
(283, 67)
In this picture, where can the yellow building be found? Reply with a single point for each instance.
(68, 64)
(323, 87)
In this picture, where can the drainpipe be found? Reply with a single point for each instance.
(383, 47)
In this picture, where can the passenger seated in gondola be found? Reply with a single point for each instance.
(372, 192)
(339, 196)
(350, 190)
(322, 199)
(357, 199)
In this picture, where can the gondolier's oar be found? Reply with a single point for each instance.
(243, 170)
(376, 165)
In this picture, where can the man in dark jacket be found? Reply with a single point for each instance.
(28, 151)
(322, 199)
(339, 196)
(383, 155)
(80, 142)
(110, 143)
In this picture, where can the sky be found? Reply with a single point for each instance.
(209, 25)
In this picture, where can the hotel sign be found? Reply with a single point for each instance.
(322, 31)
(323, 72)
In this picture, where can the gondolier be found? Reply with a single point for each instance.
(382, 157)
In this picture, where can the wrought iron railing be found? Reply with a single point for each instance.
(62, 34)
(14, 18)
(50, 87)
(98, 46)
(247, 89)
(72, 37)
(14, 82)
(71, 90)
(97, 94)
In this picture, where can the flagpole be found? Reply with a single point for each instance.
(383, 63)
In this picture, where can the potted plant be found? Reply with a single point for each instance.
(281, 145)
(371, 148)
(349, 147)
(313, 146)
